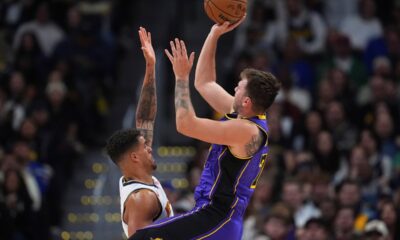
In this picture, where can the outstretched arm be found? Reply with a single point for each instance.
(231, 133)
(147, 106)
(205, 78)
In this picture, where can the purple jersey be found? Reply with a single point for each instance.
(228, 180)
(226, 186)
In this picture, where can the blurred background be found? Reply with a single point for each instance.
(70, 75)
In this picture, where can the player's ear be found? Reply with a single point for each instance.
(246, 101)
(133, 156)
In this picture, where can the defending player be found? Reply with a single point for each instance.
(239, 149)
(143, 199)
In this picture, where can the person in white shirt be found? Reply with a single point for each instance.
(363, 27)
(143, 199)
(46, 31)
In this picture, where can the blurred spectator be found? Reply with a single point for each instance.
(381, 164)
(293, 196)
(343, 59)
(336, 11)
(326, 153)
(277, 225)
(387, 45)
(17, 208)
(362, 27)
(390, 216)
(306, 26)
(47, 32)
(343, 133)
(315, 229)
(344, 224)
(301, 72)
(375, 230)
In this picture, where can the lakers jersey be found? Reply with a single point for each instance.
(126, 188)
(227, 180)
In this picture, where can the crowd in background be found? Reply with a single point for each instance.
(56, 65)
(333, 170)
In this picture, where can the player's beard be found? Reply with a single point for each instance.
(237, 106)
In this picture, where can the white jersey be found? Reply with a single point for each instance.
(126, 188)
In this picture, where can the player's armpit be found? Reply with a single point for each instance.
(140, 209)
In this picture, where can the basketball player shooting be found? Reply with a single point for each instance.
(143, 199)
(239, 144)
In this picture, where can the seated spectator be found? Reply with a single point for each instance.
(293, 196)
(344, 224)
(390, 216)
(363, 27)
(315, 229)
(47, 32)
(343, 59)
(383, 46)
(277, 225)
(307, 27)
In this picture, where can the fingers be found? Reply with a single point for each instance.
(173, 49)
(170, 57)
(183, 47)
(149, 37)
(191, 59)
(178, 47)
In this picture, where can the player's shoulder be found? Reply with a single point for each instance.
(142, 196)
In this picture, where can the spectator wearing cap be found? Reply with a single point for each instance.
(375, 230)
(315, 229)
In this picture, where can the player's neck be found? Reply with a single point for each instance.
(140, 177)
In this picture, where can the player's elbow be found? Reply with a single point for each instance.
(182, 125)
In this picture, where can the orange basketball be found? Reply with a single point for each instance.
(225, 10)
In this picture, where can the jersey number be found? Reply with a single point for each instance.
(261, 166)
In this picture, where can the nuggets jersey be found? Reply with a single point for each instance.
(126, 188)
(228, 180)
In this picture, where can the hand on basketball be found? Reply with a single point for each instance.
(181, 63)
(220, 29)
(147, 48)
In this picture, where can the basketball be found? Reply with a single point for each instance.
(221, 11)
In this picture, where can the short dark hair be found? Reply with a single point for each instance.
(262, 88)
(120, 142)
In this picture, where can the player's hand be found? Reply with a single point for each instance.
(220, 29)
(181, 62)
(147, 48)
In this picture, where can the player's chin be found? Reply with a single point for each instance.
(154, 166)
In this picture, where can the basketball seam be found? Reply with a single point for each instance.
(244, 2)
(222, 10)
(211, 12)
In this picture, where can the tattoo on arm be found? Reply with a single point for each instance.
(254, 144)
(147, 108)
(182, 96)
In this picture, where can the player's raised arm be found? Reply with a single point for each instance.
(205, 78)
(231, 133)
(147, 106)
